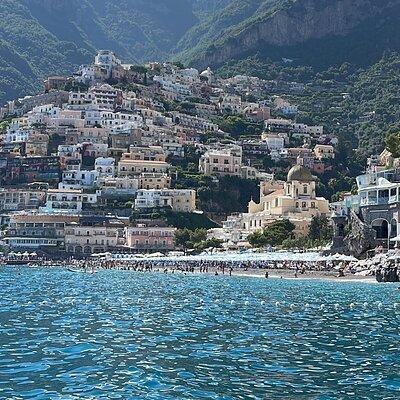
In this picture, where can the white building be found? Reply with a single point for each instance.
(106, 60)
(189, 75)
(180, 200)
(275, 142)
(105, 166)
(16, 134)
(180, 89)
(118, 186)
(78, 179)
(105, 96)
(67, 201)
(231, 103)
(313, 130)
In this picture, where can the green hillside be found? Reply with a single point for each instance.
(321, 33)
(42, 37)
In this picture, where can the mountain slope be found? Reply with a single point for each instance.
(315, 32)
(42, 37)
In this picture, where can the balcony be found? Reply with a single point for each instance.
(377, 201)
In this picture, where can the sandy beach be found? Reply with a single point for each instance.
(290, 274)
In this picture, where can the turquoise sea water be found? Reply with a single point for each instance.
(126, 335)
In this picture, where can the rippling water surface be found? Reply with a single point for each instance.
(126, 335)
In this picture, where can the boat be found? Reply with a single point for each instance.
(75, 270)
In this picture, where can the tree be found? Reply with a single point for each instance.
(140, 69)
(273, 235)
(393, 144)
(320, 229)
(267, 162)
(198, 236)
(178, 64)
(190, 239)
(237, 125)
(182, 238)
(209, 243)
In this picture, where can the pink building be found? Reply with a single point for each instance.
(150, 238)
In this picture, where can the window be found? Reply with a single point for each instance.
(305, 189)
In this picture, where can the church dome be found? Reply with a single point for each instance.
(299, 173)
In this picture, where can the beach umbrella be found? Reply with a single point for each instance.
(155, 255)
(350, 258)
(365, 272)
(339, 257)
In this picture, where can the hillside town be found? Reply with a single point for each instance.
(123, 158)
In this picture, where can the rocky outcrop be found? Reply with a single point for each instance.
(360, 237)
(299, 23)
(387, 275)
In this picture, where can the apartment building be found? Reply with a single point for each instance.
(179, 200)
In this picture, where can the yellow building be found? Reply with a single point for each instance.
(324, 152)
(294, 200)
(153, 180)
(137, 167)
(94, 236)
(37, 144)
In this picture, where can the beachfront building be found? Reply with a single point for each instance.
(294, 200)
(179, 200)
(33, 230)
(373, 213)
(148, 238)
(94, 235)
(379, 204)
